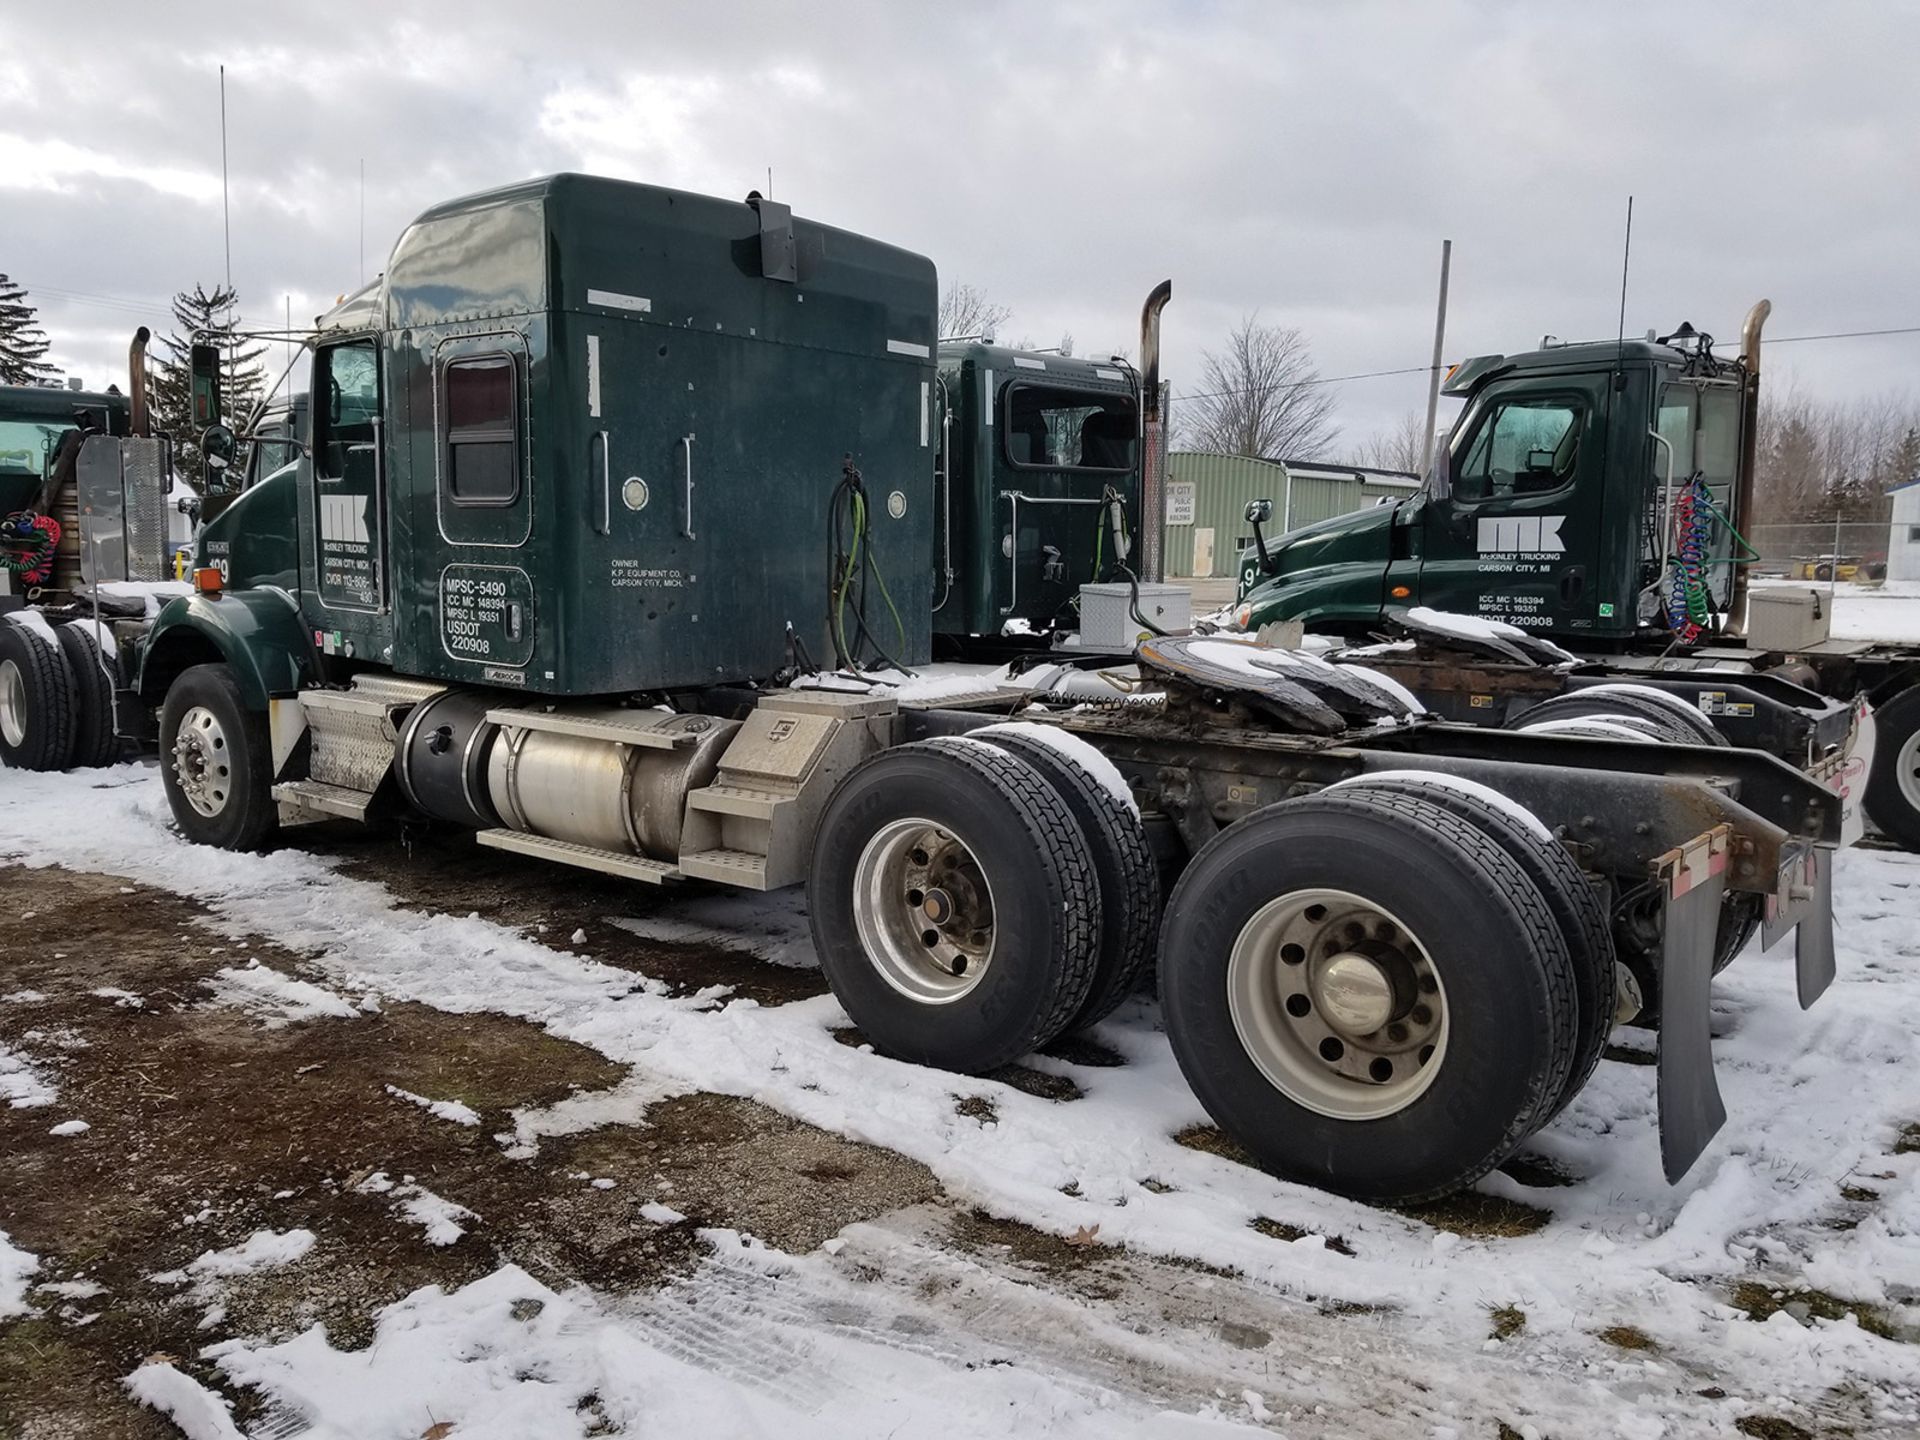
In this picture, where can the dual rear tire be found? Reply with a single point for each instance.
(56, 697)
(1382, 990)
(971, 899)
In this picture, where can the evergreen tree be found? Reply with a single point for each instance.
(210, 319)
(1904, 464)
(23, 344)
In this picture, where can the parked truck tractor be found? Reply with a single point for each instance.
(595, 467)
(1592, 495)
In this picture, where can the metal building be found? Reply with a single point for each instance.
(1903, 542)
(1207, 495)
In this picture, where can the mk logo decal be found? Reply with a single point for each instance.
(1530, 534)
(344, 517)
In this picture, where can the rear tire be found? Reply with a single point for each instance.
(1129, 918)
(1893, 786)
(216, 761)
(94, 743)
(1408, 889)
(36, 700)
(970, 845)
(1569, 895)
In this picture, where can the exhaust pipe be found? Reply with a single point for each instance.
(1744, 492)
(1153, 437)
(137, 382)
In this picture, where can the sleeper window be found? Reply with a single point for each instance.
(482, 410)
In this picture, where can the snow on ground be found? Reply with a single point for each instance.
(22, 1085)
(435, 1214)
(16, 1268)
(279, 999)
(456, 1111)
(1815, 1101)
(262, 1250)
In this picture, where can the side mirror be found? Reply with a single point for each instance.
(1258, 513)
(218, 446)
(204, 363)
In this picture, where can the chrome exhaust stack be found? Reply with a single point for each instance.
(1744, 491)
(137, 382)
(1153, 438)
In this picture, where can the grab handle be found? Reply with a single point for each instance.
(687, 441)
(605, 527)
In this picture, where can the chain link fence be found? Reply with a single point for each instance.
(1820, 551)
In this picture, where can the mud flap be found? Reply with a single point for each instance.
(1803, 903)
(1692, 879)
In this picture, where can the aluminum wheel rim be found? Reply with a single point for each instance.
(924, 911)
(1906, 770)
(202, 762)
(1338, 1004)
(13, 704)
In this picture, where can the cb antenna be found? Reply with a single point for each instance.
(1626, 259)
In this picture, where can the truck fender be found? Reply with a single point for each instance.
(257, 632)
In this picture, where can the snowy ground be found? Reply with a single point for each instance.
(1071, 1269)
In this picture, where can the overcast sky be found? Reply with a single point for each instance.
(1302, 160)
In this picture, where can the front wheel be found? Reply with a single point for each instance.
(1893, 787)
(1369, 993)
(216, 761)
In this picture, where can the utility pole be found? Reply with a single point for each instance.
(1439, 347)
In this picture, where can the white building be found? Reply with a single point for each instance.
(1903, 544)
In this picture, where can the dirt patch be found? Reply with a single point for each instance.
(1770, 1427)
(1630, 1057)
(976, 1107)
(448, 872)
(1082, 1050)
(1908, 1141)
(1211, 1140)
(1760, 1301)
(1537, 1172)
(1083, 1261)
(1281, 1230)
(209, 1124)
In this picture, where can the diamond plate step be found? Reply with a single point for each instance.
(586, 857)
(320, 800)
(727, 867)
(736, 800)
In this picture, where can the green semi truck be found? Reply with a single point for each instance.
(607, 491)
(1591, 495)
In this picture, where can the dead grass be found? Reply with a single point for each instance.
(1480, 1216)
(1760, 1301)
(1908, 1141)
(1770, 1427)
(1281, 1230)
(1507, 1321)
(1628, 1337)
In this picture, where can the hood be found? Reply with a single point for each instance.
(1322, 571)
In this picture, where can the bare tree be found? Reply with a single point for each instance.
(1400, 446)
(966, 311)
(1260, 395)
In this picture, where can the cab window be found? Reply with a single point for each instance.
(1047, 428)
(347, 424)
(1526, 445)
(481, 460)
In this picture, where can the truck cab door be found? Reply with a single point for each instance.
(1510, 538)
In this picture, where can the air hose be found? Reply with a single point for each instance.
(27, 544)
(1689, 601)
(850, 567)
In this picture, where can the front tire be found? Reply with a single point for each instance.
(954, 905)
(1298, 928)
(216, 761)
(36, 700)
(1893, 787)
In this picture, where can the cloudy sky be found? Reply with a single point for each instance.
(1301, 160)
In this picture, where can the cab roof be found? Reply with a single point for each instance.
(1079, 371)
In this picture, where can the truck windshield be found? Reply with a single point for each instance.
(27, 446)
(1053, 428)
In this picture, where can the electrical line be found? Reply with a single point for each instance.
(1424, 369)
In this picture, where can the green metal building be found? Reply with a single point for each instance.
(1205, 524)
